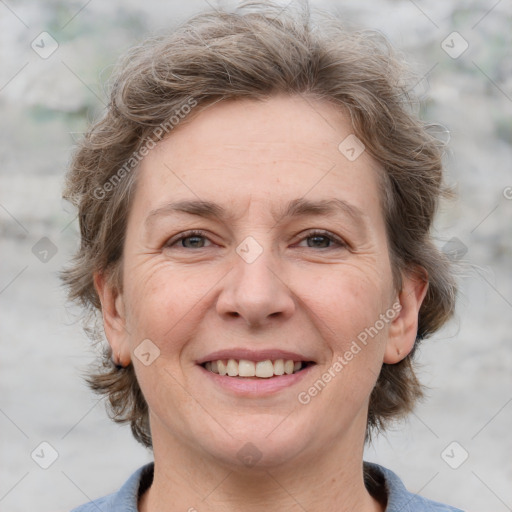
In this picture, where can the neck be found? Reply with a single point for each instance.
(331, 479)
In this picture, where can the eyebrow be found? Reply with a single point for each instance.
(296, 208)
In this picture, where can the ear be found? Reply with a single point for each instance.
(404, 327)
(114, 320)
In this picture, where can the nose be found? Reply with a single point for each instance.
(255, 291)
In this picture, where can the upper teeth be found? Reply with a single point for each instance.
(246, 368)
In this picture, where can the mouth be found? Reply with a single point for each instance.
(262, 369)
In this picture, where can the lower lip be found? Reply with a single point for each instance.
(256, 386)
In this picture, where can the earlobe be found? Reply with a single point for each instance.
(114, 322)
(404, 327)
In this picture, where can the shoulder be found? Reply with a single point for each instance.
(99, 504)
(124, 500)
(398, 497)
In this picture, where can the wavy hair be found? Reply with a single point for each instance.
(254, 52)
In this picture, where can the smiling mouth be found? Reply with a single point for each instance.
(245, 368)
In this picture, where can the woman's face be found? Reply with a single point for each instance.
(255, 236)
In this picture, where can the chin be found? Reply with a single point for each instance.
(257, 446)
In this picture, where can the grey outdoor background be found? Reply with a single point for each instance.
(47, 100)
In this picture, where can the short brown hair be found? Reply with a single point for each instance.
(255, 52)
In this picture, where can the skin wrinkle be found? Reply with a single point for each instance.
(303, 299)
(222, 236)
(297, 207)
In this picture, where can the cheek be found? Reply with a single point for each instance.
(346, 308)
(347, 314)
(343, 302)
(164, 305)
(163, 309)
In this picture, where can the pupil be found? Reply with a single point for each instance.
(195, 241)
(321, 238)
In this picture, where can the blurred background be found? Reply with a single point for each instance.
(58, 449)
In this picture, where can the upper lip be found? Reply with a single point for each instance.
(253, 355)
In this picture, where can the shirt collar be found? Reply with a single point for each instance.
(398, 498)
(127, 498)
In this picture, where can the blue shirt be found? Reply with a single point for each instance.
(398, 498)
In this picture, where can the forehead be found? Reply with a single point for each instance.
(245, 152)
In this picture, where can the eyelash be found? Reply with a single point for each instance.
(310, 234)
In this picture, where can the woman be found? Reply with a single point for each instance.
(255, 209)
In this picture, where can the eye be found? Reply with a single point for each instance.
(323, 240)
(196, 239)
(189, 240)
